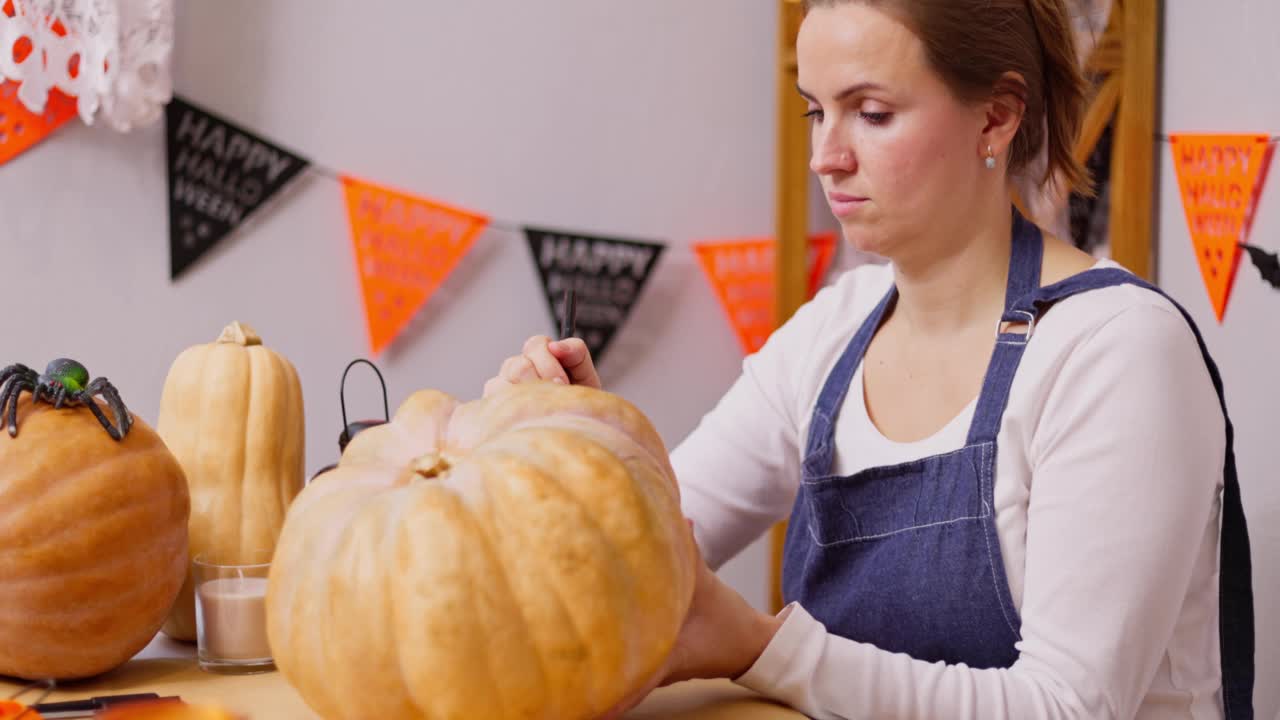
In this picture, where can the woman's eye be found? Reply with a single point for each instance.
(814, 114)
(875, 118)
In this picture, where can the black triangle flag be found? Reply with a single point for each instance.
(607, 275)
(219, 174)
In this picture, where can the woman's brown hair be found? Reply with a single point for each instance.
(972, 44)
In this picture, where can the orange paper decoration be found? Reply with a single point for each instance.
(11, 710)
(21, 129)
(741, 273)
(405, 247)
(1220, 178)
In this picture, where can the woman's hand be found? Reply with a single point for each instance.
(564, 361)
(722, 637)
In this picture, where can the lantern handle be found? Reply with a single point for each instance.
(342, 390)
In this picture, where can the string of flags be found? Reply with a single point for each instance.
(405, 246)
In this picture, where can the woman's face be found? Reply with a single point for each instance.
(899, 156)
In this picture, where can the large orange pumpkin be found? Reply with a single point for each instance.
(93, 542)
(522, 556)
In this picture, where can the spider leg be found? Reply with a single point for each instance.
(13, 371)
(84, 397)
(4, 404)
(13, 374)
(108, 391)
(9, 399)
(59, 398)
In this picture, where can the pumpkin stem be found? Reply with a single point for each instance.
(431, 465)
(238, 333)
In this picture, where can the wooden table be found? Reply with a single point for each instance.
(169, 668)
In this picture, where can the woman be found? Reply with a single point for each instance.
(1024, 532)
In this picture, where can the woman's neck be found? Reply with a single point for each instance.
(954, 280)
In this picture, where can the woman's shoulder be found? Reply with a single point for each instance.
(1148, 314)
(1107, 334)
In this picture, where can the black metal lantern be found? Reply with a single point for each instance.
(351, 429)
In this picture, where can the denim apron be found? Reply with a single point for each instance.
(907, 558)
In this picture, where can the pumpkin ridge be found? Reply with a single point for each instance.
(119, 451)
(43, 570)
(575, 414)
(242, 480)
(490, 670)
(100, 569)
(66, 637)
(658, 499)
(297, 409)
(432, 505)
(198, 528)
(602, 539)
(67, 484)
(501, 559)
(585, 429)
(351, 505)
(479, 524)
(341, 591)
(387, 582)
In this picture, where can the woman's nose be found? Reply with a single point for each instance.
(832, 157)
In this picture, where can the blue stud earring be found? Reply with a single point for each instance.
(991, 159)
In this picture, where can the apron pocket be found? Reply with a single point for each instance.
(885, 501)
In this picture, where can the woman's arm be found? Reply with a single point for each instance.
(739, 469)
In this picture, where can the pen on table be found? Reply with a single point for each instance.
(86, 708)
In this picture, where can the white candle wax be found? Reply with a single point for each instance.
(234, 615)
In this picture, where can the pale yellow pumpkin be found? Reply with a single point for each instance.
(521, 556)
(93, 542)
(232, 413)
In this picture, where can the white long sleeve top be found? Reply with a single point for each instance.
(1108, 476)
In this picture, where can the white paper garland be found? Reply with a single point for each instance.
(114, 56)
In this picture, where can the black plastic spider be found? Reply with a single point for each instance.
(64, 382)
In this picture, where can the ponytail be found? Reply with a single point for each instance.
(1063, 93)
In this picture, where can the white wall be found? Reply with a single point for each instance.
(1220, 69)
(651, 119)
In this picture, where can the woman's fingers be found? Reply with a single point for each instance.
(563, 361)
(575, 358)
(517, 369)
(546, 365)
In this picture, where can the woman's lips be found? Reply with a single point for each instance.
(843, 205)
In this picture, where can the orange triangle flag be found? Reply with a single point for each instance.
(405, 247)
(21, 129)
(741, 273)
(1220, 178)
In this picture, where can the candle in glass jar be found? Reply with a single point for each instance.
(235, 618)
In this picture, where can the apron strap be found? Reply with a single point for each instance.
(1235, 589)
(819, 448)
(1026, 256)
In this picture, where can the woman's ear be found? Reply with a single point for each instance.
(1003, 114)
